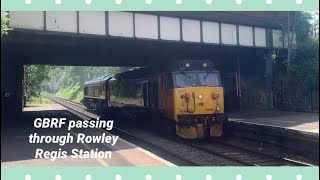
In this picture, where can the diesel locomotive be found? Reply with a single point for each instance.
(187, 95)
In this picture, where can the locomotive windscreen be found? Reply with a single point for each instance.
(188, 79)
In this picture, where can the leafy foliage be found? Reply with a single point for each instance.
(4, 23)
(35, 76)
(67, 81)
(297, 79)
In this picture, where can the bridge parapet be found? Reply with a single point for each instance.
(141, 25)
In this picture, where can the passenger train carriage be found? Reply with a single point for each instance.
(187, 94)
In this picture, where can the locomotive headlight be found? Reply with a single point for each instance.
(188, 65)
(215, 96)
(205, 64)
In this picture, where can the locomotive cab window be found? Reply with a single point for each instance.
(188, 79)
(184, 79)
(210, 79)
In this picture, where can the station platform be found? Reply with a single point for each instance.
(17, 151)
(304, 122)
(298, 132)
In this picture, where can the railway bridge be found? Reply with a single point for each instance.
(239, 43)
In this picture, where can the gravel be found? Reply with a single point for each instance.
(178, 148)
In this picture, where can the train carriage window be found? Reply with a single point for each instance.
(89, 91)
(96, 91)
(101, 89)
(92, 91)
(86, 91)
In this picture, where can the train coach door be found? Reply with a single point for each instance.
(150, 94)
(166, 101)
(161, 93)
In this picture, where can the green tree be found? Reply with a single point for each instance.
(315, 24)
(36, 75)
(297, 71)
(4, 23)
(67, 81)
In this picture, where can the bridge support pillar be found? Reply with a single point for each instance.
(11, 89)
(269, 78)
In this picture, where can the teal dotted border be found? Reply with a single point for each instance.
(160, 5)
(161, 173)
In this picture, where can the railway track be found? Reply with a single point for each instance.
(76, 108)
(81, 111)
(234, 153)
(245, 156)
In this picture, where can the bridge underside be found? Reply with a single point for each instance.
(77, 50)
(23, 47)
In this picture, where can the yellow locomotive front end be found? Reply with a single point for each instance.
(194, 100)
(199, 111)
